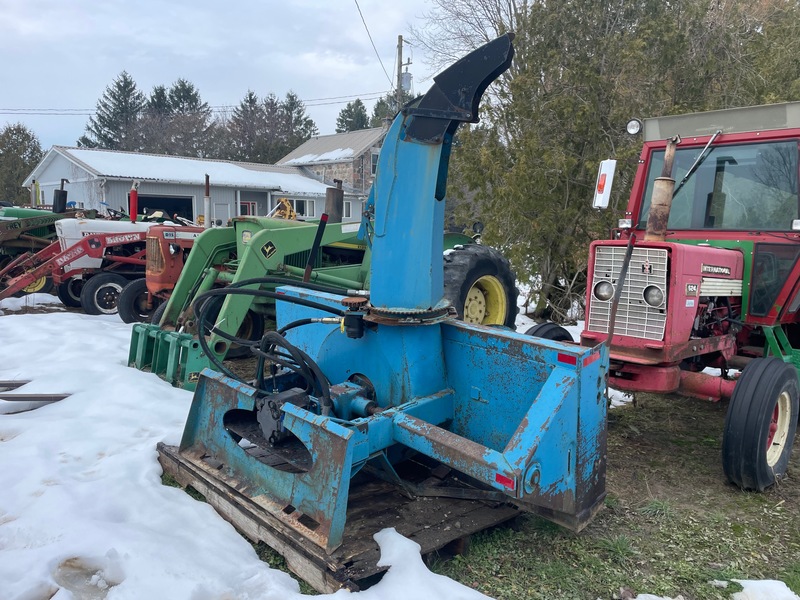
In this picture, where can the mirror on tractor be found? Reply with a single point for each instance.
(605, 179)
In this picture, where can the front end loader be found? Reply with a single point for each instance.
(26, 231)
(479, 283)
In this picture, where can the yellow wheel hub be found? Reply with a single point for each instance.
(35, 286)
(486, 302)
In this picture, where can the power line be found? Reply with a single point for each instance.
(391, 83)
(89, 112)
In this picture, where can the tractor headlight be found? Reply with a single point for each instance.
(603, 291)
(174, 249)
(633, 126)
(653, 295)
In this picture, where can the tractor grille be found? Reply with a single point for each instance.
(300, 259)
(155, 258)
(635, 318)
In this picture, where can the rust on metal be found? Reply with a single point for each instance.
(661, 201)
(354, 302)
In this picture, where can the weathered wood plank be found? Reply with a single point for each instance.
(433, 522)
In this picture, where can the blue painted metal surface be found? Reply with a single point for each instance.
(521, 415)
(407, 236)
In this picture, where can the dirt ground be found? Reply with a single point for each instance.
(671, 525)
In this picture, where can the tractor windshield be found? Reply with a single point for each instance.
(741, 187)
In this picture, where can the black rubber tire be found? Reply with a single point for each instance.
(155, 318)
(69, 292)
(252, 328)
(465, 268)
(766, 386)
(550, 331)
(43, 285)
(132, 302)
(100, 294)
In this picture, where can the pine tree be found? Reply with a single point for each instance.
(118, 111)
(386, 108)
(190, 127)
(20, 152)
(154, 122)
(248, 128)
(298, 126)
(352, 117)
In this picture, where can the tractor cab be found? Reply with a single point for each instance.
(740, 192)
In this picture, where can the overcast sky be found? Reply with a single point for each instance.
(62, 54)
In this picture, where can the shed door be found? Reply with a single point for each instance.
(180, 205)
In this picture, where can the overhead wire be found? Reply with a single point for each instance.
(88, 112)
(373, 44)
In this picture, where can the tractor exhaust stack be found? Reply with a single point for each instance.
(661, 203)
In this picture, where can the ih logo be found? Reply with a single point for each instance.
(647, 268)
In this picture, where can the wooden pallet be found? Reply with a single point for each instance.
(373, 504)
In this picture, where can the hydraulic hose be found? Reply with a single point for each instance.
(292, 359)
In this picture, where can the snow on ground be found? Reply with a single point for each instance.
(83, 513)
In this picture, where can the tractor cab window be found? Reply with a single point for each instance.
(743, 187)
(772, 264)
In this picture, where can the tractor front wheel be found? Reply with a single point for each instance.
(550, 331)
(69, 292)
(159, 311)
(132, 302)
(43, 285)
(761, 423)
(100, 294)
(479, 282)
(251, 329)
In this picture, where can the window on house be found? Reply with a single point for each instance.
(347, 209)
(248, 209)
(375, 156)
(303, 208)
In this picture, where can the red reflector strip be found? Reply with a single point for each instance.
(567, 359)
(504, 481)
(590, 359)
(601, 184)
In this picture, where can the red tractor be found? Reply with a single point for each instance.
(711, 239)
(168, 247)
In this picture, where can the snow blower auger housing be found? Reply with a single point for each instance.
(354, 386)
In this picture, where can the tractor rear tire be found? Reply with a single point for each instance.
(479, 282)
(100, 294)
(69, 292)
(155, 318)
(761, 424)
(550, 331)
(132, 302)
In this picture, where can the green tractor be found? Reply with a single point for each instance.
(258, 254)
(26, 231)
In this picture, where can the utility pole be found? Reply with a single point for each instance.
(399, 88)
(398, 92)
